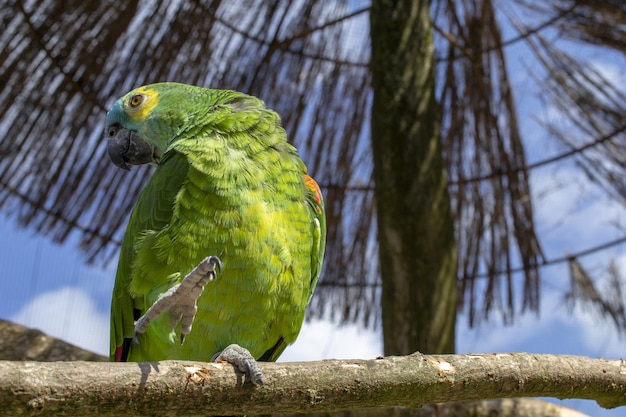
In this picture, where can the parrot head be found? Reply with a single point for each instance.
(139, 125)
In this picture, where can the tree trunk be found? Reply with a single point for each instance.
(415, 225)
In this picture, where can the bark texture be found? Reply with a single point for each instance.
(415, 225)
(180, 388)
(509, 407)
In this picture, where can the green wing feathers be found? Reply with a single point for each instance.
(152, 211)
(316, 202)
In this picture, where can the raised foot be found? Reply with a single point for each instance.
(181, 299)
(243, 361)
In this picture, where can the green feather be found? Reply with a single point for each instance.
(227, 184)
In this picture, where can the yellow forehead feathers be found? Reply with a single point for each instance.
(139, 103)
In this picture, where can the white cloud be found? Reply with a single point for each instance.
(554, 331)
(325, 340)
(68, 314)
(529, 332)
(598, 337)
(611, 72)
(572, 213)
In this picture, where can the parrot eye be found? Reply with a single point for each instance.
(135, 100)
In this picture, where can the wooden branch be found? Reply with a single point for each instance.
(22, 343)
(509, 407)
(181, 388)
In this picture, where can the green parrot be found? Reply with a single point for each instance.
(229, 206)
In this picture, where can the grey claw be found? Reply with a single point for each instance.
(181, 298)
(215, 261)
(243, 361)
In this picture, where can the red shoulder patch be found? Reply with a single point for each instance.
(118, 354)
(315, 188)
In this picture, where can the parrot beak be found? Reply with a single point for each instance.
(127, 147)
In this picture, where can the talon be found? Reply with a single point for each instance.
(181, 298)
(217, 263)
(243, 361)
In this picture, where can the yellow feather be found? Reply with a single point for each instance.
(142, 111)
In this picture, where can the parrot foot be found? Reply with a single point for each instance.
(181, 298)
(243, 361)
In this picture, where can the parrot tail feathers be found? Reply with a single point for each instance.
(272, 353)
(122, 351)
